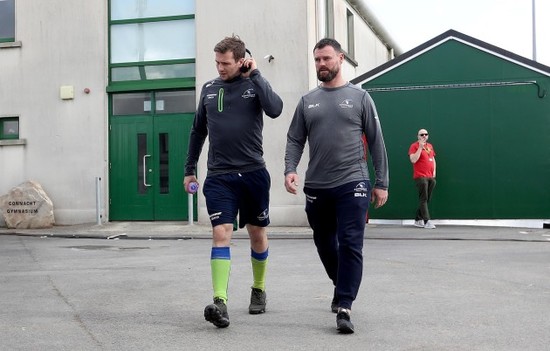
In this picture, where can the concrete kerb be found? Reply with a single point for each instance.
(148, 231)
(183, 231)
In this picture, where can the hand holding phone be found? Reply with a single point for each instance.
(246, 66)
(249, 63)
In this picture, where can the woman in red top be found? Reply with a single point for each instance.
(422, 155)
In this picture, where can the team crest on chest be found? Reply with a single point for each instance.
(248, 93)
(347, 103)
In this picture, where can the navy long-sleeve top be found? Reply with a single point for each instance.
(230, 113)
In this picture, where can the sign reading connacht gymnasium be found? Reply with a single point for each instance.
(22, 207)
(27, 206)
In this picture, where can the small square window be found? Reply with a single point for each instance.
(9, 128)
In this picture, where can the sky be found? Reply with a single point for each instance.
(504, 23)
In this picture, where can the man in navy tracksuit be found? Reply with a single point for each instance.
(230, 112)
(333, 118)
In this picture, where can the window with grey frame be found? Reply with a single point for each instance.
(329, 19)
(350, 34)
(7, 21)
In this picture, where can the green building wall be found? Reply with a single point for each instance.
(492, 143)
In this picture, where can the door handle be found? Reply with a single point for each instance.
(145, 170)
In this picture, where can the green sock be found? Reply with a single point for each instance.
(259, 268)
(220, 262)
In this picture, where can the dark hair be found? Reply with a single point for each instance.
(328, 42)
(233, 44)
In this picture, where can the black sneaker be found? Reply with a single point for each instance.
(216, 313)
(343, 323)
(257, 301)
(334, 303)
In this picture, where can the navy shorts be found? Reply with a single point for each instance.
(243, 193)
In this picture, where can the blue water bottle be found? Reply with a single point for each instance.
(192, 187)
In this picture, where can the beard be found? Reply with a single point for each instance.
(328, 74)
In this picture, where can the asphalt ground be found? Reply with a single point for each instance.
(144, 286)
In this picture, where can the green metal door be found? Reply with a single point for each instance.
(131, 149)
(147, 154)
(170, 139)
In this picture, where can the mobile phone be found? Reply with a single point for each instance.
(246, 68)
